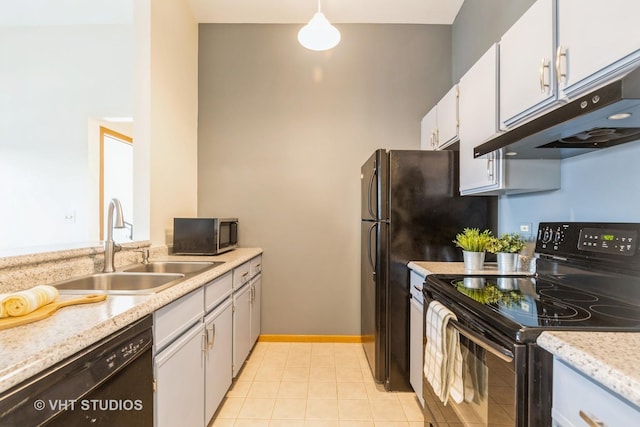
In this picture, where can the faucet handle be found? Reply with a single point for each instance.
(145, 255)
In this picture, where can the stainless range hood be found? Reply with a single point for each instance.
(606, 117)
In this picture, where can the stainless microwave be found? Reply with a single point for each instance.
(204, 236)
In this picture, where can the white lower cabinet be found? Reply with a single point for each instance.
(179, 373)
(218, 357)
(201, 341)
(247, 294)
(416, 329)
(256, 291)
(594, 405)
(241, 327)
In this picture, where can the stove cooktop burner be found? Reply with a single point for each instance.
(569, 295)
(518, 299)
(615, 311)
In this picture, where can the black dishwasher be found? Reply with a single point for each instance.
(110, 383)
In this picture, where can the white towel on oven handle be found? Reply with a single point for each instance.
(442, 358)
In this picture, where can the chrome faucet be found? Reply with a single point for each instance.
(110, 247)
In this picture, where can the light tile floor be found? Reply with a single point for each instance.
(313, 385)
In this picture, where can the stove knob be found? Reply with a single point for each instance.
(547, 234)
(557, 237)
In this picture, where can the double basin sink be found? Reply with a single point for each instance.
(136, 279)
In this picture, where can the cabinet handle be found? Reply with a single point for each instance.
(560, 74)
(490, 167)
(543, 84)
(211, 335)
(591, 422)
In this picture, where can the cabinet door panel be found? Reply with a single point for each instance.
(527, 52)
(241, 327)
(256, 296)
(219, 360)
(428, 130)
(179, 373)
(448, 118)
(415, 349)
(478, 122)
(600, 38)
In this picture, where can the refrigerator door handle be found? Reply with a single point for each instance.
(371, 261)
(371, 181)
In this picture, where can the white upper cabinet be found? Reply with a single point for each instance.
(439, 127)
(597, 40)
(478, 122)
(527, 54)
(448, 123)
(429, 130)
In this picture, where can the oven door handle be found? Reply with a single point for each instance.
(491, 347)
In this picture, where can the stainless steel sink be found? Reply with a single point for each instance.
(183, 267)
(119, 283)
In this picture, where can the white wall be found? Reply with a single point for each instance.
(165, 141)
(52, 81)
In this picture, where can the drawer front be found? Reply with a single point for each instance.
(255, 266)
(595, 403)
(172, 320)
(217, 291)
(241, 275)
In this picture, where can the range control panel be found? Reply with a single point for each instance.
(589, 240)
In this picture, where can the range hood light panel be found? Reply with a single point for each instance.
(511, 153)
(619, 116)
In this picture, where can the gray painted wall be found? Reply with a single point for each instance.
(478, 25)
(599, 186)
(282, 134)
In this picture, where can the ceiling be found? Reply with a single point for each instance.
(336, 11)
(72, 12)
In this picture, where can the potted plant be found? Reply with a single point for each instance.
(473, 243)
(506, 248)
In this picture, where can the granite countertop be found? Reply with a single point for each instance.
(611, 362)
(426, 268)
(28, 349)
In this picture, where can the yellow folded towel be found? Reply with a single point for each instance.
(24, 302)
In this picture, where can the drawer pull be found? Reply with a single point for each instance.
(591, 422)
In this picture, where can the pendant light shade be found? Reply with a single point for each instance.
(319, 34)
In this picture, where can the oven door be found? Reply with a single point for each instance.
(494, 379)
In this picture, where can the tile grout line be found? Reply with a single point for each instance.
(399, 410)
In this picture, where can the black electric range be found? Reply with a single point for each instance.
(587, 278)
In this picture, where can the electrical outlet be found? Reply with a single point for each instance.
(526, 229)
(70, 218)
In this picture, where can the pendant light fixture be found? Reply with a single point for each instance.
(319, 34)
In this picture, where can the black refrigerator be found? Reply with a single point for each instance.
(411, 210)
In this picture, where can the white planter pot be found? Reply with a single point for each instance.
(507, 263)
(473, 261)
